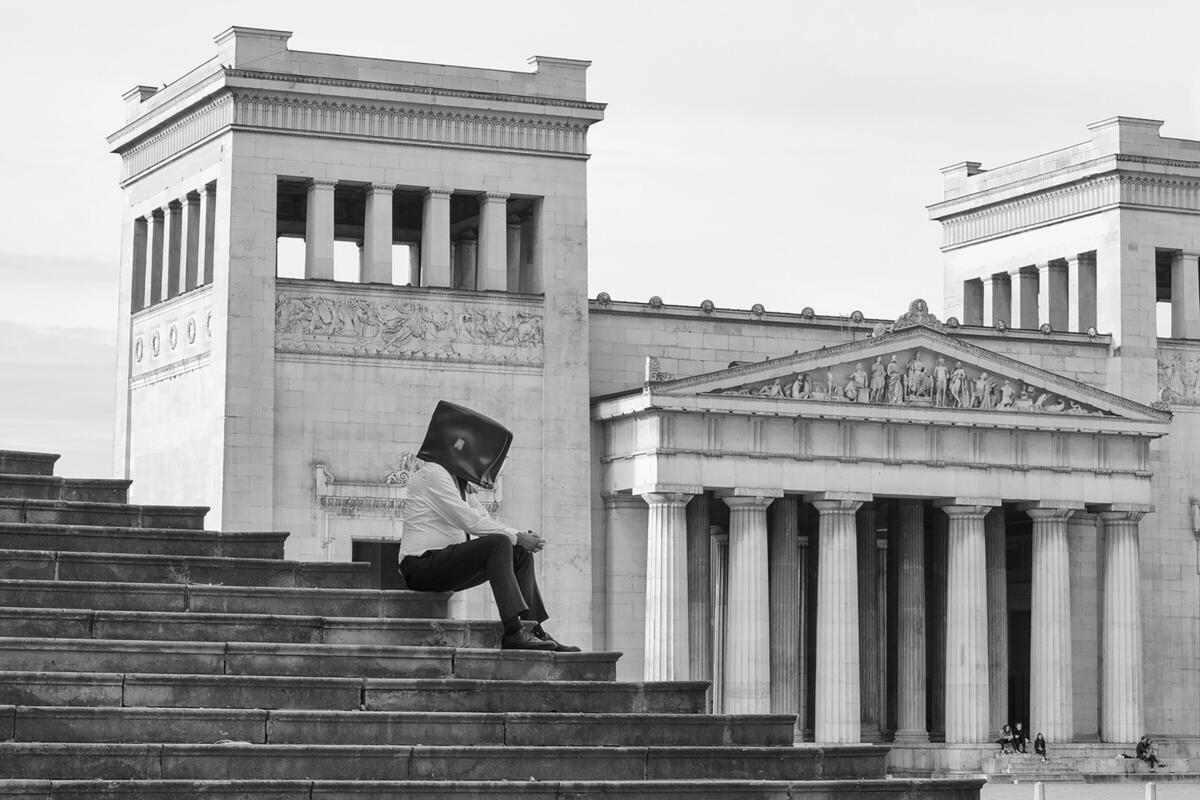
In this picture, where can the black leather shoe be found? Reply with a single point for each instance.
(524, 640)
(559, 647)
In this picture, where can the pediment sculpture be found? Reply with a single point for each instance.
(917, 377)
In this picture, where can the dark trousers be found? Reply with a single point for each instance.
(492, 558)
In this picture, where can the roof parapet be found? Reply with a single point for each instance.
(259, 48)
(1127, 135)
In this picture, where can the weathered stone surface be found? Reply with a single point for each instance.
(60, 688)
(39, 487)
(241, 691)
(533, 696)
(22, 462)
(64, 512)
(149, 541)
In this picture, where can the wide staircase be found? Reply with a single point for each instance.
(142, 656)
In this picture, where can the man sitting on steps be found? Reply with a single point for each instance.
(450, 543)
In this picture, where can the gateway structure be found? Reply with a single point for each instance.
(903, 529)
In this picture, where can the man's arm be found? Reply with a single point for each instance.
(446, 502)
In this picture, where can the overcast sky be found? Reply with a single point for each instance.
(772, 152)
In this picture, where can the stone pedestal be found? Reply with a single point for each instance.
(966, 667)
(666, 636)
(318, 231)
(377, 235)
(997, 604)
(699, 583)
(1121, 636)
(493, 242)
(782, 529)
(435, 238)
(869, 652)
(910, 618)
(837, 696)
(1051, 707)
(747, 635)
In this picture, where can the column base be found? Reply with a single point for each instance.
(870, 734)
(912, 737)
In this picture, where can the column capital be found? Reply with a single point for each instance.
(837, 506)
(967, 506)
(1044, 266)
(612, 501)
(745, 496)
(381, 188)
(1194, 254)
(1123, 512)
(322, 183)
(1051, 509)
(858, 497)
(174, 206)
(668, 488)
(438, 193)
(666, 498)
(192, 197)
(493, 197)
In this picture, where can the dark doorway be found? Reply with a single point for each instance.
(1019, 552)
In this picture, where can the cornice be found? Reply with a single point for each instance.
(432, 91)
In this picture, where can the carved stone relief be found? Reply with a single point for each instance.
(426, 329)
(1179, 377)
(384, 497)
(166, 339)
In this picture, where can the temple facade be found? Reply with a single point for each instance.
(911, 527)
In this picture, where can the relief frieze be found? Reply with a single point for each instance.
(917, 377)
(1179, 377)
(426, 329)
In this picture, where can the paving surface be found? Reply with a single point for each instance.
(1169, 790)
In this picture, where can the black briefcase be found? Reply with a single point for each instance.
(468, 444)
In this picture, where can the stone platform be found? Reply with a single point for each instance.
(142, 656)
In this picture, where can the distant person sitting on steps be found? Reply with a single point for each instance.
(1020, 740)
(450, 543)
(1039, 746)
(1147, 753)
(1006, 739)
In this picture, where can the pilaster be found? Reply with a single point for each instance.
(666, 633)
(318, 230)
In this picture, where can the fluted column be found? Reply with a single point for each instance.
(666, 637)
(377, 234)
(493, 241)
(1185, 296)
(157, 282)
(936, 547)
(869, 651)
(910, 619)
(803, 699)
(967, 704)
(699, 582)
(435, 238)
(174, 247)
(191, 248)
(1121, 636)
(782, 529)
(318, 230)
(837, 691)
(747, 635)
(997, 603)
(881, 631)
(1051, 707)
(719, 563)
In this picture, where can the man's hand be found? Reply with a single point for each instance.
(530, 541)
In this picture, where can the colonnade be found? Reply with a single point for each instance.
(173, 248)
(747, 630)
(493, 253)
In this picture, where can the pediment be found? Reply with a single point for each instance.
(916, 367)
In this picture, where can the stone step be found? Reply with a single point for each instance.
(44, 565)
(338, 693)
(957, 789)
(49, 724)
(148, 541)
(22, 462)
(49, 487)
(202, 627)
(113, 596)
(240, 761)
(255, 658)
(75, 512)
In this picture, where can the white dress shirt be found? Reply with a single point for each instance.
(435, 514)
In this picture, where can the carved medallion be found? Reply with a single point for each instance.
(138, 350)
(155, 344)
(173, 336)
(191, 330)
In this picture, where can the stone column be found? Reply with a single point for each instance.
(157, 287)
(1081, 289)
(377, 234)
(997, 603)
(318, 230)
(967, 699)
(210, 231)
(837, 690)
(699, 581)
(191, 248)
(783, 526)
(493, 241)
(936, 547)
(869, 652)
(465, 273)
(174, 246)
(435, 238)
(1121, 636)
(910, 619)
(1185, 296)
(720, 600)
(1051, 708)
(1024, 298)
(803, 700)
(881, 639)
(666, 637)
(137, 298)
(997, 296)
(1052, 295)
(747, 635)
(513, 261)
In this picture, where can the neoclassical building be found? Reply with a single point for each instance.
(907, 528)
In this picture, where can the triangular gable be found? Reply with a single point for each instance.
(916, 366)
